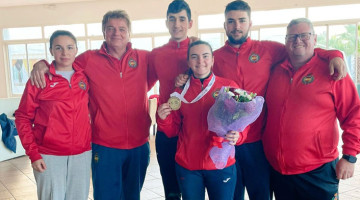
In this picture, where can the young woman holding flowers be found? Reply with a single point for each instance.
(194, 167)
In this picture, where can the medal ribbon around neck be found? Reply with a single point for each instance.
(202, 93)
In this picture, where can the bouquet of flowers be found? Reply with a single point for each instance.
(234, 109)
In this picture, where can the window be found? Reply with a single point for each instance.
(142, 43)
(338, 12)
(211, 21)
(342, 37)
(22, 33)
(94, 29)
(149, 26)
(283, 16)
(77, 29)
(216, 40)
(274, 34)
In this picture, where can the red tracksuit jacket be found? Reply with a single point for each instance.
(301, 132)
(166, 63)
(55, 120)
(250, 66)
(118, 97)
(190, 124)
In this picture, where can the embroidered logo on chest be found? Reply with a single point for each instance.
(132, 63)
(82, 85)
(308, 79)
(254, 58)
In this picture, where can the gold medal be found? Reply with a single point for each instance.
(175, 103)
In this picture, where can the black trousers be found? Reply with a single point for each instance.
(165, 152)
(318, 184)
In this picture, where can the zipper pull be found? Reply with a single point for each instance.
(291, 80)
(70, 85)
(120, 74)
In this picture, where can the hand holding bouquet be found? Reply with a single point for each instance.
(234, 109)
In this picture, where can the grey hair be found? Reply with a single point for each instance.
(300, 20)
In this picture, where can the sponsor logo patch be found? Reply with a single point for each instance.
(132, 63)
(308, 79)
(82, 85)
(254, 58)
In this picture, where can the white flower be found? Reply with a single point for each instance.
(231, 93)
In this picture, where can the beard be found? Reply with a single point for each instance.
(237, 41)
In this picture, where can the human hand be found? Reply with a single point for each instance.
(164, 110)
(232, 137)
(39, 165)
(181, 80)
(344, 169)
(37, 75)
(337, 64)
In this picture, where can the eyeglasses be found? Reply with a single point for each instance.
(302, 36)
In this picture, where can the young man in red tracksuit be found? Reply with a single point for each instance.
(119, 111)
(54, 125)
(248, 63)
(301, 135)
(194, 168)
(165, 64)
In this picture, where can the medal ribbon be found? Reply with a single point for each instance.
(202, 93)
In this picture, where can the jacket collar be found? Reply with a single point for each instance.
(242, 46)
(104, 50)
(288, 66)
(196, 81)
(53, 71)
(181, 45)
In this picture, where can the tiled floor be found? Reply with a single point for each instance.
(17, 181)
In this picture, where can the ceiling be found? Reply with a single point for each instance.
(10, 3)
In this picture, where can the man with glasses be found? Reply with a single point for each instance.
(301, 134)
(249, 62)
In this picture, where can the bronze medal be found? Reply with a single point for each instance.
(174, 103)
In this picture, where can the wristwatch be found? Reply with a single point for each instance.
(351, 159)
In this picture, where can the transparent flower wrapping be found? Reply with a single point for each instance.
(231, 111)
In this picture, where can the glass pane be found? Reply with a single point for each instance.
(142, 43)
(76, 29)
(342, 37)
(274, 34)
(321, 33)
(94, 29)
(49, 57)
(96, 44)
(81, 47)
(161, 40)
(283, 16)
(254, 35)
(35, 52)
(18, 68)
(326, 13)
(211, 21)
(216, 40)
(22, 33)
(149, 26)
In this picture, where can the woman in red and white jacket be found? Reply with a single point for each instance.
(194, 168)
(54, 125)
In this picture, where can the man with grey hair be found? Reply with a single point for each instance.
(117, 76)
(301, 135)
